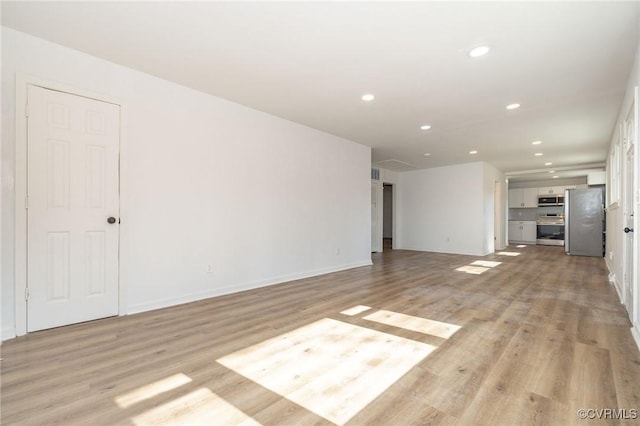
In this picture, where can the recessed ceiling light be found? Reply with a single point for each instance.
(473, 152)
(425, 127)
(479, 51)
(368, 97)
(552, 171)
(538, 154)
(426, 154)
(536, 142)
(556, 177)
(513, 106)
(548, 164)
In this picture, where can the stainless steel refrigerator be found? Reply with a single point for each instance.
(583, 222)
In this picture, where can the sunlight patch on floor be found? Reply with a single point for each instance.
(200, 407)
(329, 367)
(521, 246)
(355, 310)
(508, 253)
(409, 322)
(477, 270)
(485, 263)
(151, 390)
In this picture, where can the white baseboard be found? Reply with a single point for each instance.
(8, 333)
(636, 335)
(613, 280)
(220, 291)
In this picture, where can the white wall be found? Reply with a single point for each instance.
(447, 209)
(204, 181)
(388, 176)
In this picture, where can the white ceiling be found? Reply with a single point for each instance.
(566, 63)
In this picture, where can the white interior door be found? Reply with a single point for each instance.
(629, 219)
(73, 195)
(628, 239)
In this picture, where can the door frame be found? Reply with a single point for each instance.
(376, 244)
(393, 213)
(20, 225)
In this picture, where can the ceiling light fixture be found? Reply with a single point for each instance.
(513, 106)
(425, 127)
(552, 171)
(556, 177)
(538, 154)
(368, 97)
(427, 154)
(536, 142)
(473, 152)
(548, 164)
(479, 51)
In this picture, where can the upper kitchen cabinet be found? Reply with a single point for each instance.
(523, 197)
(551, 190)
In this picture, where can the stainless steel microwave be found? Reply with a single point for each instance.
(550, 200)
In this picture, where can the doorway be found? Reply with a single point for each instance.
(72, 208)
(387, 217)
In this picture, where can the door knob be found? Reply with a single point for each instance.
(112, 220)
(627, 230)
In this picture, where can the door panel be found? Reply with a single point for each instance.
(72, 187)
(629, 204)
(628, 281)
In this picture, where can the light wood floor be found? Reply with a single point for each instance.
(540, 336)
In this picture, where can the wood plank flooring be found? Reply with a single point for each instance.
(529, 341)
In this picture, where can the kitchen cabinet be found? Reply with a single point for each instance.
(551, 190)
(523, 197)
(522, 231)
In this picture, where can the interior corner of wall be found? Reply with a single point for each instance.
(8, 333)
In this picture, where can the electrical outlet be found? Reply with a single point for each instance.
(210, 269)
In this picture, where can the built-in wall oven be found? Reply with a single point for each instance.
(550, 230)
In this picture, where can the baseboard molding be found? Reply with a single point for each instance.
(221, 291)
(441, 250)
(636, 336)
(614, 281)
(8, 333)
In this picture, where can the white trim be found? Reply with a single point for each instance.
(20, 238)
(123, 255)
(193, 297)
(613, 281)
